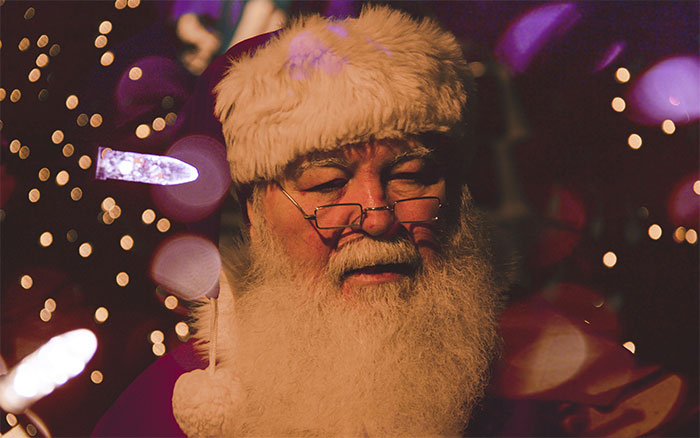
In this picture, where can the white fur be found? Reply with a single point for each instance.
(322, 84)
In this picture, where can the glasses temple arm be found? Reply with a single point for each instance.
(296, 204)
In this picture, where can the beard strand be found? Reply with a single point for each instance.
(406, 358)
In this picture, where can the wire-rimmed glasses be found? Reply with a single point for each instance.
(423, 209)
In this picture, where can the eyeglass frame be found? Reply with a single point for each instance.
(363, 210)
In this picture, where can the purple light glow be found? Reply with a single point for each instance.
(187, 266)
(196, 200)
(529, 33)
(670, 89)
(307, 54)
(610, 55)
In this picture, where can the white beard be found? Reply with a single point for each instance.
(401, 359)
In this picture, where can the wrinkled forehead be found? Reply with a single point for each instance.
(385, 152)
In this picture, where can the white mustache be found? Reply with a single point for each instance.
(365, 252)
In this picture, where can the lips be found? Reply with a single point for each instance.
(388, 268)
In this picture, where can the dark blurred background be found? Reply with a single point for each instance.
(592, 193)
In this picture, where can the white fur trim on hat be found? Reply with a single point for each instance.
(322, 84)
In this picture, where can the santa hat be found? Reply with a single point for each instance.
(321, 84)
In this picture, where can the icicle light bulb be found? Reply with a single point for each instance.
(38, 374)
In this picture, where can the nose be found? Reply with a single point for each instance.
(378, 218)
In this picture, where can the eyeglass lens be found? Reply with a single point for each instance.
(405, 211)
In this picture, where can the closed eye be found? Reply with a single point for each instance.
(422, 178)
(328, 186)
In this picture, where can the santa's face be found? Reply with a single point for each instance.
(371, 175)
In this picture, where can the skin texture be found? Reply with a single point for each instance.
(373, 174)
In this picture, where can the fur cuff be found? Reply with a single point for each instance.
(321, 84)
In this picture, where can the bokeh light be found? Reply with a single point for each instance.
(679, 235)
(34, 75)
(158, 349)
(34, 195)
(85, 249)
(108, 203)
(96, 120)
(100, 41)
(115, 212)
(618, 104)
(82, 120)
(187, 266)
(668, 127)
(57, 136)
(68, 150)
(526, 36)
(691, 236)
(156, 337)
(43, 95)
(133, 3)
(148, 216)
(55, 50)
(163, 225)
(670, 89)
(46, 239)
(655, 232)
(158, 124)
(76, 193)
(71, 235)
(26, 281)
(609, 259)
(105, 27)
(122, 279)
(126, 242)
(15, 96)
(85, 162)
(15, 145)
(62, 178)
(195, 200)
(42, 60)
(24, 44)
(135, 73)
(107, 58)
(170, 302)
(45, 315)
(50, 305)
(182, 329)
(42, 41)
(634, 141)
(105, 218)
(119, 4)
(622, 75)
(11, 419)
(24, 152)
(630, 346)
(44, 174)
(101, 315)
(143, 131)
(96, 377)
(170, 118)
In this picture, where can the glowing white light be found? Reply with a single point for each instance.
(630, 346)
(38, 374)
(144, 168)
